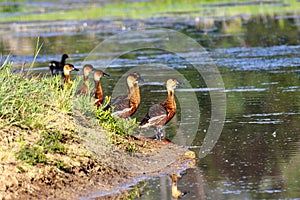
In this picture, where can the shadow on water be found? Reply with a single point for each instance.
(257, 155)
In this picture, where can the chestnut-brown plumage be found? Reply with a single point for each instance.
(176, 193)
(98, 93)
(67, 69)
(56, 67)
(160, 114)
(125, 106)
(86, 71)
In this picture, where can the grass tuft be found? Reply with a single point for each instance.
(53, 142)
(114, 124)
(119, 129)
(39, 105)
(32, 155)
(32, 102)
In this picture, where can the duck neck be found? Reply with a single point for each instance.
(67, 80)
(85, 78)
(63, 61)
(134, 94)
(170, 101)
(98, 89)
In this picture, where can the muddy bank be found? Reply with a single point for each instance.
(94, 167)
(152, 158)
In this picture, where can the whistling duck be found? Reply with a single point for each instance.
(160, 114)
(98, 89)
(67, 69)
(175, 192)
(125, 106)
(86, 71)
(56, 67)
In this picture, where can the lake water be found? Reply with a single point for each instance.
(257, 155)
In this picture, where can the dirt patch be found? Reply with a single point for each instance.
(95, 167)
(151, 159)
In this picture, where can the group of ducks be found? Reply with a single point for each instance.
(126, 105)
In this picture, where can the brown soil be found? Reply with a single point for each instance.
(94, 166)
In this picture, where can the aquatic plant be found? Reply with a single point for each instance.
(147, 9)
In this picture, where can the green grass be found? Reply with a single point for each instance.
(30, 102)
(148, 9)
(38, 104)
(32, 155)
(53, 142)
(50, 143)
(137, 191)
(113, 124)
(119, 129)
(34, 103)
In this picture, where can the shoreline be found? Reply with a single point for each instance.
(68, 155)
(91, 178)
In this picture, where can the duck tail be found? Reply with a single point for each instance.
(145, 120)
(184, 193)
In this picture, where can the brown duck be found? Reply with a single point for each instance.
(67, 69)
(98, 93)
(125, 106)
(160, 114)
(86, 71)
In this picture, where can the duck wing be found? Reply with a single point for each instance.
(156, 115)
(83, 90)
(55, 67)
(121, 106)
(120, 103)
(55, 64)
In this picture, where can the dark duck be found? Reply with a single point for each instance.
(98, 93)
(56, 67)
(125, 106)
(86, 72)
(66, 71)
(160, 114)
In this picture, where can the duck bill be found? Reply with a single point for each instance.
(75, 69)
(141, 79)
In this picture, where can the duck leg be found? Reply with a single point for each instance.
(159, 133)
(156, 130)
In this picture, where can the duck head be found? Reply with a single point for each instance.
(68, 68)
(133, 78)
(99, 74)
(87, 69)
(172, 84)
(65, 56)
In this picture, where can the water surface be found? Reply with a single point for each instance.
(257, 155)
